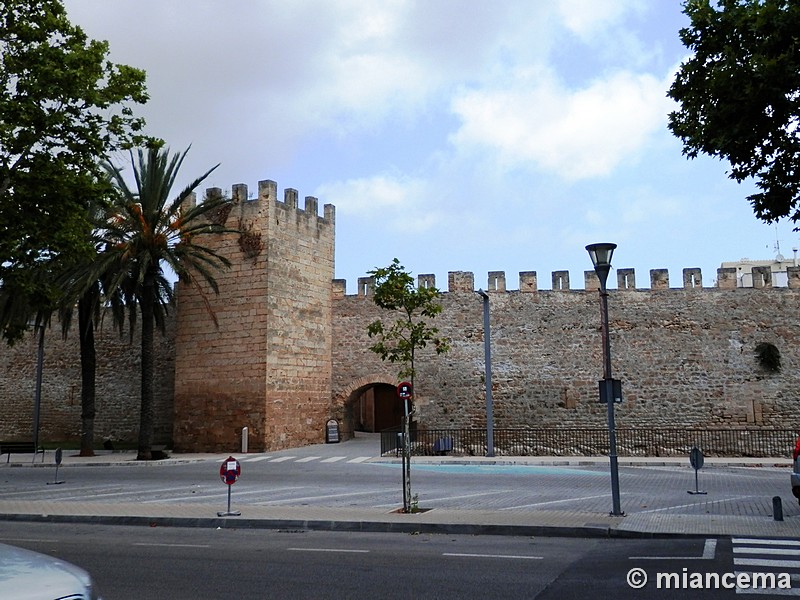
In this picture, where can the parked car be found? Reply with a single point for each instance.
(28, 575)
(796, 470)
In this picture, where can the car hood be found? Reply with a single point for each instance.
(28, 575)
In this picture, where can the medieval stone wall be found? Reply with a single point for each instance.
(286, 349)
(266, 362)
(686, 356)
(117, 387)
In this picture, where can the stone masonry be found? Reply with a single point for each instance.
(686, 356)
(266, 363)
(287, 349)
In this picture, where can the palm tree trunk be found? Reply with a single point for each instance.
(88, 368)
(146, 418)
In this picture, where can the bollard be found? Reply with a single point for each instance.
(777, 509)
(245, 432)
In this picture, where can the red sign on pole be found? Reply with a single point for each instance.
(230, 470)
(405, 391)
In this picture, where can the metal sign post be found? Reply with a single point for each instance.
(696, 460)
(229, 472)
(59, 456)
(405, 391)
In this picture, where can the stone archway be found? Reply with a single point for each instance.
(376, 408)
(371, 405)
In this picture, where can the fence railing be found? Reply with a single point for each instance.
(593, 441)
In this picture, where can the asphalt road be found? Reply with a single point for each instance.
(155, 563)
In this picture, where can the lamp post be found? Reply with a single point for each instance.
(487, 361)
(601, 259)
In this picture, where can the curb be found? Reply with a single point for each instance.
(354, 526)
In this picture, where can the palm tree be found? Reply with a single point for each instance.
(144, 232)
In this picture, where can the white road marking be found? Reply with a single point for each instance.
(256, 459)
(753, 550)
(360, 459)
(765, 542)
(88, 496)
(709, 551)
(793, 591)
(208, 496)
(290, 500)
(428, 500)
(333, 459)
(171, 545)
(307, 459)
(282, 459)
(767, 562)
(459, 554)
(345, 550)
(655, 510)
(554, 502)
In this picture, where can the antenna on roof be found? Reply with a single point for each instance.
(777, 249)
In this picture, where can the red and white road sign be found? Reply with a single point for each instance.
(230, 470)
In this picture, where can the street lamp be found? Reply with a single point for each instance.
(601, 259)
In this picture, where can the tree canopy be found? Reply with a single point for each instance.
(63, 108)
(398, 342)
(145, 231)
(739, 96)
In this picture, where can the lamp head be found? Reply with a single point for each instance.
(601, 254)
(601, 259)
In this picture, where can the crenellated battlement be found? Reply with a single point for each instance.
(464, 281)
(247, 208)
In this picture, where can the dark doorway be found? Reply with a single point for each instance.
(376, 408)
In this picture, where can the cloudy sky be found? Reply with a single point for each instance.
(455, 135)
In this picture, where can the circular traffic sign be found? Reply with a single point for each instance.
(230, 470)
(405, 390)
(696, 458)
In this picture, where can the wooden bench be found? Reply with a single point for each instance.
(10, 448)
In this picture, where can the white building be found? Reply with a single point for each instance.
(777, 267)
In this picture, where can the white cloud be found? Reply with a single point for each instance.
(398, 202)
(575, 134)
(586, 17)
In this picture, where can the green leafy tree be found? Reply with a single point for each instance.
(145, 231)
(399, 341)
(63, 106)
(739, 95)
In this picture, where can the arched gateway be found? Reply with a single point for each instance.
(370, 404)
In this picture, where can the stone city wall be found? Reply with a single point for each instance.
(117, 392)
(686, 356)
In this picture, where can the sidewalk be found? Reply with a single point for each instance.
(452, 521)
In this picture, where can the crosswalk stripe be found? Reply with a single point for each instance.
(307, 459)
(765, 542)
(282, 459)
(256, 459)
(333, 459)
(753, 550)
(793, 591)
(359, 459)
(767, 562)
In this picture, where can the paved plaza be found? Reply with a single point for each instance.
(349, 486)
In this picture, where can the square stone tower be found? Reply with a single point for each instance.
(266, 362)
